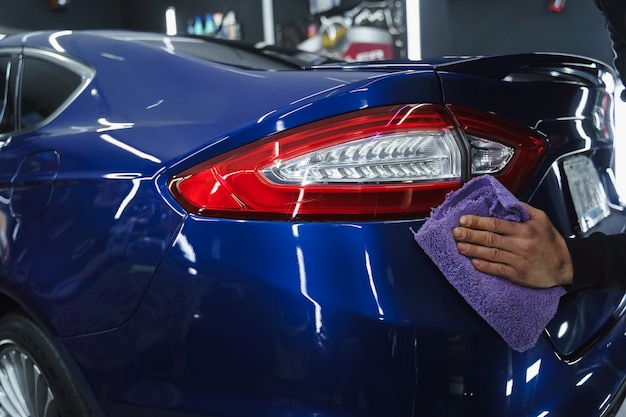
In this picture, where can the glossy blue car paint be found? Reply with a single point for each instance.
(158, 312)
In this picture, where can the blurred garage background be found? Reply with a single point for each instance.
(412, 28)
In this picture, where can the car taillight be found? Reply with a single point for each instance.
(378, 163)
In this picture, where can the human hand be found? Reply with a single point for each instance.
(531, 253)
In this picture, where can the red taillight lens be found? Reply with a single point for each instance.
(378, 163)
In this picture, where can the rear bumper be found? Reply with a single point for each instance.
(238, 324)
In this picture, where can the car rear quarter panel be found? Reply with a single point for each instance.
(95, 240)
(343, 319)
(264, 318)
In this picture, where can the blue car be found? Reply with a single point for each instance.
(192, 227)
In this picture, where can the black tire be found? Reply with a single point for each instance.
(32, 374)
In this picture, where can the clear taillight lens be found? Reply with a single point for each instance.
(381, 158)
(488, 157)
(377, 163)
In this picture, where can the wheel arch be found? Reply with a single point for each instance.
(9, 306)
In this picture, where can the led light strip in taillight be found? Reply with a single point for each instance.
(377, 163)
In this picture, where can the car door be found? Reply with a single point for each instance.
(35, 88)
(9, 62)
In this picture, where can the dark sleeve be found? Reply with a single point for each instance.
(614, 12)
(599, 262)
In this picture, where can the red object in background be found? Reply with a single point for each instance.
(58, 4)
(365, 43)
(368, 52)
(557, 5)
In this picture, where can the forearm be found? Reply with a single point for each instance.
(599, 262)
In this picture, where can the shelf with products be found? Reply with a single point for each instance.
(218, 24)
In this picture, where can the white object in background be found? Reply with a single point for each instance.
(269, 36)
(231, 26)
(620, 145)
(319, 6)
(170, 21)
(413, 30)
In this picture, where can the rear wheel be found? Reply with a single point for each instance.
(34, 382)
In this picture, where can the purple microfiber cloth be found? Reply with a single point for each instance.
(519, 314)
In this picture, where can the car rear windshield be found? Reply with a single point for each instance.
(238, 54)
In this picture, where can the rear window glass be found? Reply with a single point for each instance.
(6, 104)
(45, 87)
(237, 55)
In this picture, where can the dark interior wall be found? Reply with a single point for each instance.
(127, 14)
(150, 14)
(83, 14)
(288, 11)
(484, 27)
(449, 27)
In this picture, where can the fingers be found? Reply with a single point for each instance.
(489, 224)
(491, 261)
(482, 238)
(487, 253)
(487, 242)
(530, 253)
(497, 269)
